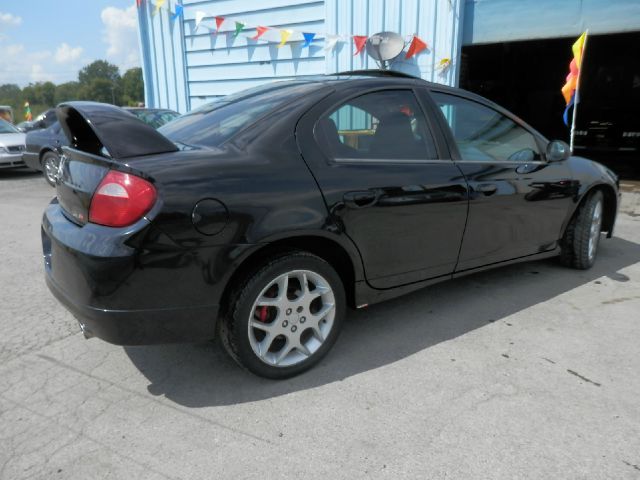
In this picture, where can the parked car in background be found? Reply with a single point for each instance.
(26, 126)
(262, 215)
(11, 145)
(154, 117)
(6, 113)
(43, 150)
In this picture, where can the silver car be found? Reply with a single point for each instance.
(12, 145)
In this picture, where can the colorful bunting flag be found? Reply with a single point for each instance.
(359, 41)
(239, 28)
(159, 4)
(219, 21)
(27, 112)
(417, 45)
(138, 3)
(199, 16)
(330, 42)
(570, 88)
(259, 32)
(284, 36)
(308, 38)
(178, 12)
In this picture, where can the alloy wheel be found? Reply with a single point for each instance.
(291, 318)
(594, 233)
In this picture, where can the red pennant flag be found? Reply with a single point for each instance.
(359, 41)
(416, 47)
(259, 32)
(138, 3)
(219, 21)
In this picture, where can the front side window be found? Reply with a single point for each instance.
(384, 125)
(483, 134)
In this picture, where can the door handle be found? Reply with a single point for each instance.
(360, 199)
(487, 188)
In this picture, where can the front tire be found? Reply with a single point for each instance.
(582, 238)
(286, 316)
(50, 162)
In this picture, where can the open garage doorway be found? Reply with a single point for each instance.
(526, 78)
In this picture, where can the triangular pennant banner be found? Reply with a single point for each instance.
(239, 27)
(284, 36)
(178, 12)
(359, 41)
(138, 3)
(417, 45)
(259, 32)
(199, 16)
(330, 42)
(308, 38)
(159, 4)
(219, 21)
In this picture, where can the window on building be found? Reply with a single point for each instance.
(483, 134)
(381, 125)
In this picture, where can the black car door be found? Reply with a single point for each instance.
(518, 201)
(387, 182)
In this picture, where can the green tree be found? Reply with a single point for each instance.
(11, 94)
(132, 87)
(101, 90)
(67, 91)
(100, 81)
(99, 69)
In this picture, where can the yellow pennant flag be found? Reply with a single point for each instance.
(578, 48)
(284, 36)
(159, 4)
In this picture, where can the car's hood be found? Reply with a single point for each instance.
(11, 139)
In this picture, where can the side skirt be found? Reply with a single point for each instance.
(367, 295)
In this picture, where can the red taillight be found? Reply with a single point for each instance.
(121, 199)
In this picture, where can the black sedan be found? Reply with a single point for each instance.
(262, 216)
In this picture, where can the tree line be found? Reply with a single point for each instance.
(99, 81)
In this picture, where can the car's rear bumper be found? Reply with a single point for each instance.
(121, 294)
(140, 327)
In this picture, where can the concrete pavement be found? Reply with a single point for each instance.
(528, 371)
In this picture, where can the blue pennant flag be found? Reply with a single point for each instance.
(565, 115)
(178, 13)
(308, 38)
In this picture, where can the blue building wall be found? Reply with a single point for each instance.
(185, 67)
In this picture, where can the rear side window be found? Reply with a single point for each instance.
(214, 123)
(384, 125)
(484, 134)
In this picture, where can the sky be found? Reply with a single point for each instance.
(44, 40)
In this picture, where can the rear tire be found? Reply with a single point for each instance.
(50, 162)
(285, 316)
(581, 240)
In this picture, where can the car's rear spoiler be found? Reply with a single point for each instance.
(94, 127)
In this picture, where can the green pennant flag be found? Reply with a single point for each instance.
(239, 28)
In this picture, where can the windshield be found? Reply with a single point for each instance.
(6, 127)
(216, 122)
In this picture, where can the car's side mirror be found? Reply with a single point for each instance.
(40, 124)
(557, 151)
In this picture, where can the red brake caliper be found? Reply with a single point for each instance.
(263, 312)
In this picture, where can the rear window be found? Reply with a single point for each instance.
(216, 122)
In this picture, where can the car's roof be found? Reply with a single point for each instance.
(145, 109)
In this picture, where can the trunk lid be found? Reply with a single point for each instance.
(102, 137)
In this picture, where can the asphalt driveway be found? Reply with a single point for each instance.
(529, 371)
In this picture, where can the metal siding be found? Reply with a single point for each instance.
(220, 64)
(163, 58)
(434, 21)
(489, 21)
